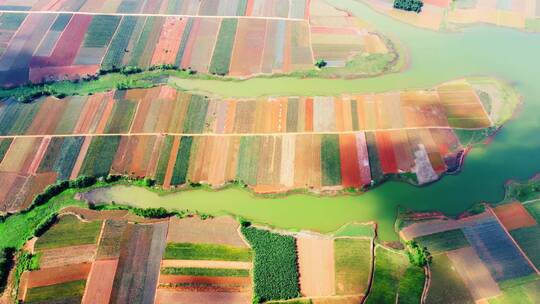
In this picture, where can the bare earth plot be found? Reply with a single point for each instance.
(174, 137)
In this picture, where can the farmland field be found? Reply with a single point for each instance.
(353, 265)
(390, 269)
(446, 283)
(69, 231)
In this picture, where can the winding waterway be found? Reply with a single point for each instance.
(434, 57)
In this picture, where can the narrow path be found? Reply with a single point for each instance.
(372, 273)
(232, 134)
(149, 15)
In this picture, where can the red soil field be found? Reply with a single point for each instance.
(57, 275)
(514, 216)
(386, 152)
(100, 283)
(169, 41)
(185, 279)
(249, 7)
(402, 150)
(316, 265)
(249, 45)
(68, 44)
(309, 115)
(350, 174)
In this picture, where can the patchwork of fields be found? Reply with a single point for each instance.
(436, 14)
(270, 144)
(482, 257)
(40, 47)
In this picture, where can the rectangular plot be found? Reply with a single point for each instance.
(100, 282)
(352, 265)
(169, 41)
(120, 42)
(324, 115)
(330, 160)
(249, 46)
(182, 161)
(67, 157)
(350, 169)
(497, 250)
(196, 113)
(203, 45)
(443, 241)
(100, 155)
(221, 58)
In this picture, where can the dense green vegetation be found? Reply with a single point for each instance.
(275, 265)
(164, 160)
(409, 5)
(389, 269)
(100, 155)
(443, 241)
(4, 146)
(25, 262)
(6, 257)
(529, 240)
(411, 285)
(69, 231)
(59, 293)
(211, 272)
(101, 31)
(190, 251)
(182, 161)
(418, 255)
(352, 265)
(523, 191)
(524, 294)
(224, 45)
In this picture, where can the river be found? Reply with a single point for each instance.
(434, 57)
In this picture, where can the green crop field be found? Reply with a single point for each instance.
(248, 160)
(119, 43)
(4, 146)
(528, 293)
(330, 160)
(121, 117)
(17, 117)
(210, 272)
(69, 231)
(164, 160)
(189, 251)
(224, 45)
(67, 157)
(352, 265)
(411, 285)
(141, 42)
(275, 264)
(373, 155)
(101, 31)
(70, 292)
(11, 22)
(528, 238)
(389, 269)
(182, 161)
(196, 114)
(446, 287)
(534, 210)
(443, 241)
(183, 43)
(356, 230)
(100, 156)
(61, 22)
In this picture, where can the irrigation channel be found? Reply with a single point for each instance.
(434, 57)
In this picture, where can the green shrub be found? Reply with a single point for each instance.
(418, 256)
(409, 5)
(275, 265)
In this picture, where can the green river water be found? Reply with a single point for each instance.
(434, 57)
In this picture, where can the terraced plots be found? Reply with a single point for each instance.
(294, 9)
(476, 255)
(176, 138)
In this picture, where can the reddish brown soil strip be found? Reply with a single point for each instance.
(80, 158)
(100, 283)
(316, 265)
(514, 216)
(172, 161)
(350, 171)
(474, 273)
(22, 287)
(154, 158)
(220, 230)
(206, 264)
(57, 275)
(87, 114)
(169, 41)
(308, 127)
(109, 100)
(39, 155)
(208, 297)
(185, 279)
(48, 117)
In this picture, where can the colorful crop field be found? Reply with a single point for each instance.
(69, 231)
(446, 283)
(443, 241)
(275, 272)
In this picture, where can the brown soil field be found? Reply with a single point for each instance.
(185, 279)
(166, 296)
(57, 275)
(80, 159)
(514, 216)
(205, 264)
(220, 230)
(439, 225)
(338, 300)
(316, 265)
(48, 117)
(100, 282)
(67, 256)
(169, 41)
(172, 161)
(474, 273)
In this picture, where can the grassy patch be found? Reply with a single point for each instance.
(446, 283)
(209, 272)
(411, 285)
(330, 160)
(389, 269)
(222, 54)
(352, 265)
(275, 265)
(443, 241)
(528, 239)
(58, 293)
(356, 230)
(524, 294)
(196, 114)
(189, 251)
(69, 231)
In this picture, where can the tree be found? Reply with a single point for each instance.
(320, 63)
(409, 5)
(418, 256)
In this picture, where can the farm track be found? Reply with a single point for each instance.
(232, 134)
(150, 15)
